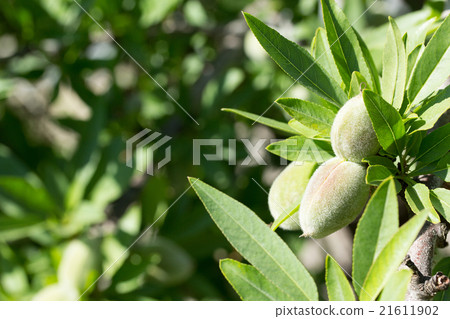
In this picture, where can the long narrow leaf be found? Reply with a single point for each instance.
(284, 127)
(312, 115)
(320, 49)
(440, 198)
(344, 44)
(434, 146)
(394, 67)
(433, 66)
(391, 257)
(299, 148)
(386, 121)
(376, 226)
(395, 289)
(262, 247)
(418, 198)
(296, 62)
(338, 287)
(249, 283)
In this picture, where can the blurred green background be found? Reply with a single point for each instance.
(69, 100)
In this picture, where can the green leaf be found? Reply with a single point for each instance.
(344, 44)
(249, 283)
(299, 148)
(320, 49)
(264, 120)
(432, 67)
(19, 228)
(376, 174)
(440, 198)
(380, 160)
(296, 62)
(431, 111)
(29, 197)
(338, 287)
(377, 225)
(417, 35)
(390, 257)
(251, 237)
(412, 59)
(394, 67)
(283, 217)
(397, 286)
(386, 121)
(443, 266)
(13, 277)
(434, 145)
(436, 167)
(368, 57)
(418, 198)
(413, 143)
(444, 174)
(312, 115)
(357, 84)
(302, 129)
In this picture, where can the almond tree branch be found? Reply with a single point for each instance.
(423, 285)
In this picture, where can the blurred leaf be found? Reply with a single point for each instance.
(377, 225)
(13, 277)
(440, 198)
(15, 228)
(394, 67)
(338, 287)
(397, 286)
(418, 198)
(264, 120)
(296, 62)
(249, 283)
(386, 122)
(154, 11)
(312, 115)
(299, 148)
(76, 264)
(432, 67)
(31, 198)
(391, 257)
(257, 243)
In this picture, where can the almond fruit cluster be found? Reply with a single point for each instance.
(336, 193)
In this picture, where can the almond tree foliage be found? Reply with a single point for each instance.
(407, 105)
(69, 99)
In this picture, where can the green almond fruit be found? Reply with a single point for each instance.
(352, 133)
(287, 191)
(334, 197)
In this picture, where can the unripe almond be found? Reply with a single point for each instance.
(287, 191)
(335, 195)
(352, 134)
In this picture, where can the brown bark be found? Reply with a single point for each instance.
(424, 285)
